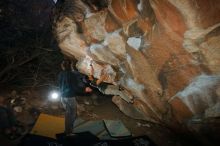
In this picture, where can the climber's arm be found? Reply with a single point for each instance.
(101, 79)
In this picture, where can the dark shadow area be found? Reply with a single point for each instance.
(29, 53)
(85, 139)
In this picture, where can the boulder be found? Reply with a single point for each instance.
(165, 52)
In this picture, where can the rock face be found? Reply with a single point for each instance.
(165, 52)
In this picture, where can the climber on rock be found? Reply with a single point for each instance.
(107, 88)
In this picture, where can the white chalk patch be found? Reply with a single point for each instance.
(96, 46)
(198, 95)
(134, 85)
(140, 6)
(200, 84)
(122, 69)
(128, 57)
(134, 42)
(88, 13)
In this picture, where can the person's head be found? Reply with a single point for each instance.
(66, 65)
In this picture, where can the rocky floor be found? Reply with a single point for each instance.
(29, 103)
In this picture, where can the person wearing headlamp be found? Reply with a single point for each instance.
(70, 86)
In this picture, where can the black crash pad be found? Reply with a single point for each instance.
(83, 139)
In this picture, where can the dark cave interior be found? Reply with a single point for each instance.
(165, 53)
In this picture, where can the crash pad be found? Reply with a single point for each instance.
(116, 128)
(95, 127)
(49, 126)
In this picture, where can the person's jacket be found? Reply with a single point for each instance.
(70, 84)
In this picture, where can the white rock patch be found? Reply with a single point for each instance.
(88, 13)
(134, 42)
(134, 85)
(96, 46)
(140, 6)
(198, 95)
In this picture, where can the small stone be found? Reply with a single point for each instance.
(86, 102)
(12, 101)
(18, 109)
(138, 124)
(143, 125)
(93, 116)
(146, 125)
